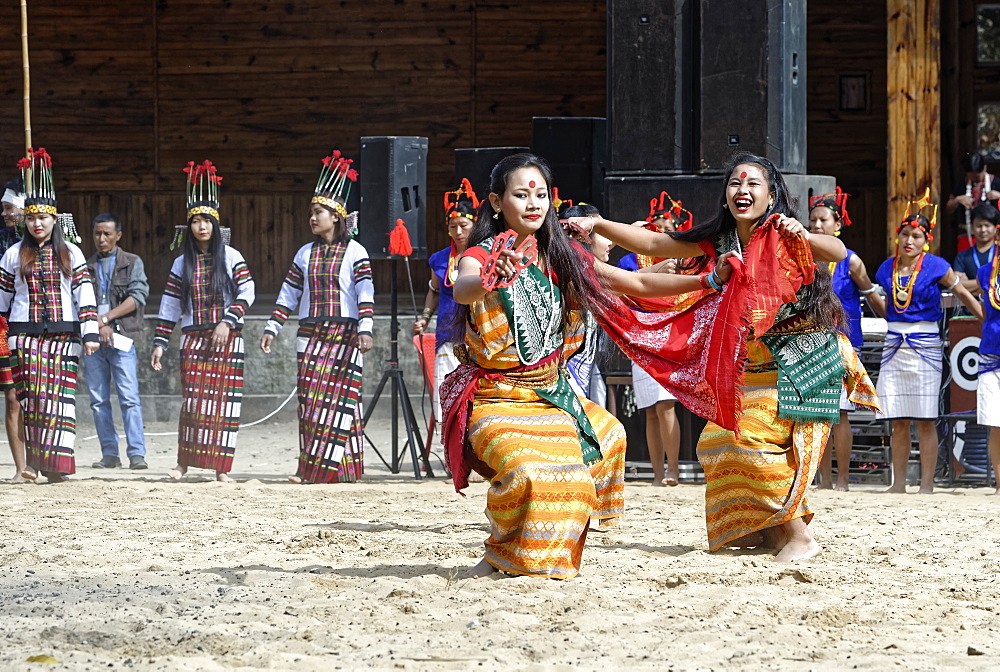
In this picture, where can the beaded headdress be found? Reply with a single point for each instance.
(334, 186)
(40, 191)
(836, 201)
(664, 207)
(465, 192)
(921, 214)
(202, 190)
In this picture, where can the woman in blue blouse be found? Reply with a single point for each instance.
(850, 281)
(988, 393)
(909, 382)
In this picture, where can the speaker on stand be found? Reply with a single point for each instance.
(393, 187)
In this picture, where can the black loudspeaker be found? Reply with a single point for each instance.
(393, 186)
(476, 164)
(753, 82)
(575, 147)
(650, 92)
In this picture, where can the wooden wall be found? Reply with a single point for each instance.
(849, 38)
(124, 94)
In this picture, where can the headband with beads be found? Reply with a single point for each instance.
(465, 192)
(836, 201)
(915, 216)
(40, 191)
(664, 207)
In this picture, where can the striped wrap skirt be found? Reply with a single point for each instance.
(542, 497)
(329, 392)
(45, 368)
(212, 384)
(909, 381)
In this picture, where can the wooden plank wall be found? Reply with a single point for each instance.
(914, 116)
(124, 94)
(848, 38)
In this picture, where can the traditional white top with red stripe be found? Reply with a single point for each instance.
(48, 301)
(208, 311)
(327, 281)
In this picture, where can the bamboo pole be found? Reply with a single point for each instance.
(27, 76)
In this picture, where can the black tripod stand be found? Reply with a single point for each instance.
(400, 400)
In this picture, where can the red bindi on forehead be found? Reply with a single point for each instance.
(531, 184)
(743, 173)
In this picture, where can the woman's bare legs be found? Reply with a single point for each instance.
(900, 444)
(928, 455)
(15, 435)
(663, 437)
(995, 456)
(841, 441)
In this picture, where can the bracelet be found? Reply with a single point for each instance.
(866, 291)
(426, 314)
(430, 286)
(704, 281)
(714, 281)
(955, 284)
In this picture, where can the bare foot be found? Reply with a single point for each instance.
(926, 490)
(841, 486)
(481, 569)
(824, 485)
(658, 482)
(672, 478)
(29, 473)
(177, 473)
(798, 550)
(997, 493)
(896, 490)
(774, 537)
(19, 477)
(752, 540)
(55, 477)
(294, 479)
(223, 477)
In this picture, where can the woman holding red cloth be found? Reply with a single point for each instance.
(795, 359)
(555, 462)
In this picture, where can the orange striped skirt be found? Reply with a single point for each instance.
(759, 480)
(542, 496)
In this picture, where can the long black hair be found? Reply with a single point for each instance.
(723, 219)
(578, 286)
(222, 285)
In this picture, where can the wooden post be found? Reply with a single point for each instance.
(914, 110)
(27, 78)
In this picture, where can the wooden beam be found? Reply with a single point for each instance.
(914, 114)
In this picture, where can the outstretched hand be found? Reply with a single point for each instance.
(723, 268)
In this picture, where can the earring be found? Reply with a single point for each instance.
(897, 240)
(496, 215)
(927, 248)
(725, 205)
(837, 233)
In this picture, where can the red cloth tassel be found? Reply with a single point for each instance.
(399, 240)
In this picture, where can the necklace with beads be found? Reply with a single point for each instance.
(994, 288)
(451, 275)
(902, 294)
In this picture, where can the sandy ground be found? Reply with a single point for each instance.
(125, 570)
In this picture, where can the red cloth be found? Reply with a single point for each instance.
(698, 353)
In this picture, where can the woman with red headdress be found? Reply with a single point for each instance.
(209, 290)
(330, 283)
(850, 281)
(909, 381)
(460, 208)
